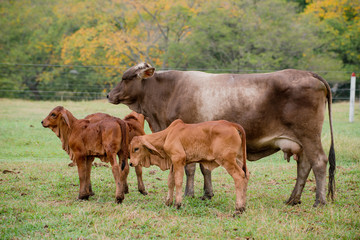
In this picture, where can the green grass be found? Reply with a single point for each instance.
(38, 190)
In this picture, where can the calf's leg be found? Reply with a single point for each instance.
(171, 186)
(178, 177)
(82, 171)
(241, 182)
(124, 172)
(120, 191)
(141, 186)
(89, 161)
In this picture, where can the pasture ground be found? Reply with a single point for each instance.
(38, 191)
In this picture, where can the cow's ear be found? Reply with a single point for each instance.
(146, 72)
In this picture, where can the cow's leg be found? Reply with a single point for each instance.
(141, 186)
(89, 162)
(81, 166)
(119, 195)
(241, 182)
(303, 170)
(319, 169)
(208, 190)
(178, 177)
(318, 161)
(190, 175)
(171, 185)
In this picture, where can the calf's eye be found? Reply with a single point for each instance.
(136, 149)
(53, 115)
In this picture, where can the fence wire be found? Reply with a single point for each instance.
(77, 83)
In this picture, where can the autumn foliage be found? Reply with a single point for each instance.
(216, 36)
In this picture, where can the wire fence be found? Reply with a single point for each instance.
(78, 83)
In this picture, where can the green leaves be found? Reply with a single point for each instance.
(218, 36)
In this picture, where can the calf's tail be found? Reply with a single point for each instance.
(332, 158)
(124, 142)
(243, 143)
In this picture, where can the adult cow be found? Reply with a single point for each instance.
(282, 110)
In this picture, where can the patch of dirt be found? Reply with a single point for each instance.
(10, 171)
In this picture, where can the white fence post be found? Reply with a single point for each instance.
(352, 97)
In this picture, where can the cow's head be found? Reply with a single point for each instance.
(145, 154)
(57, 119)
(129, 89)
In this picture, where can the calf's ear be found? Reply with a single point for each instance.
(151, 148)
(147, 162)
(65, 117)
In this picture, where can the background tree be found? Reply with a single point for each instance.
(339, 21)
(84, 46)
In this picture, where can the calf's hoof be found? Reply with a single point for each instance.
(126, 189)
(168, 202)
(119, 200)
(239, 211)
(177, 205)
(83, 197)
(143, 192)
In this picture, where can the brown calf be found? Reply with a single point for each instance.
(86, 139)
(211, 143)
(135, 123)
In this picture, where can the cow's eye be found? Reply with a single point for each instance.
(136, 149)
(53, 115)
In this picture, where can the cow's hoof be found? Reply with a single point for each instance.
(177, 205)
(207, 197)
(319, 203)
(143, 192)
(92, 193)
(119, 200)
(189, 194)
(293, 202)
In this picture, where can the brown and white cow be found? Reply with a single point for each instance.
(282, 110)
(213, 143)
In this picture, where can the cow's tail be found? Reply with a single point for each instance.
(332, 159)
(124, 142)
(242, 134)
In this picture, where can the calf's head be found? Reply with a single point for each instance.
(144, 153)
(56, 120)
(129, 89)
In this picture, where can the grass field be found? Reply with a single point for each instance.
(38, 191)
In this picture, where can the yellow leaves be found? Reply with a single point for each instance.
(43, 46)
(128, 34)
(330, 9)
